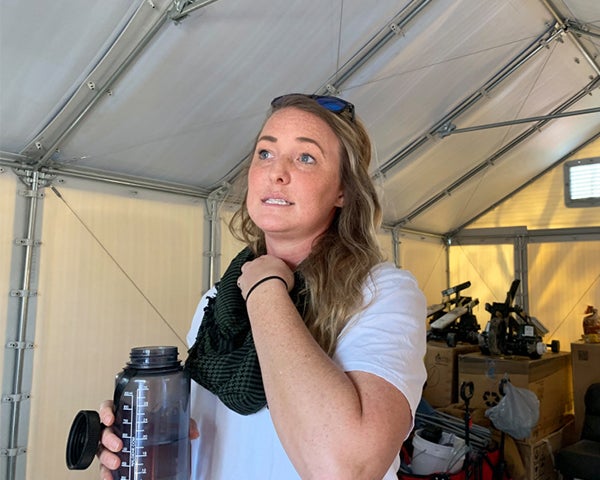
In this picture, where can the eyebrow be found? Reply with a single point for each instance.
(270, 138)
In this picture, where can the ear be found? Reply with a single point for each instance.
(340, 199)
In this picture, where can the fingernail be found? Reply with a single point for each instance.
(115, 464)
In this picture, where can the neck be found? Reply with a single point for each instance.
(292, 252)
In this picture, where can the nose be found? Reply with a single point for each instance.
(280, 171)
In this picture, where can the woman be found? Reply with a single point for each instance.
(325, 340)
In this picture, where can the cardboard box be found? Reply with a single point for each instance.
(441, 362)
(538, 458)
(548, 377)
(585, 360)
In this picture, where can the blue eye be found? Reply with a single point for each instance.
(263, 154)
(306, 158)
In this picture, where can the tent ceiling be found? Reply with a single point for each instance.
(122, 90)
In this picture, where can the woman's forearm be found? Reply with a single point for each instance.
(331, 423)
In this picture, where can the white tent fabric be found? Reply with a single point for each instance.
(140, 91)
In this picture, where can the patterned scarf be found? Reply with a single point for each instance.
(223, 358)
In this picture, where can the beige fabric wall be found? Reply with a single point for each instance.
(489, 268)
(118, 269)
(541, 204)
(425, 258)
(563, 277)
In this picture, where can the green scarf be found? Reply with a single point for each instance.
(223, 358)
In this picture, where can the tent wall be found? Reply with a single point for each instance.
(489, 268)
(564, 278)
(422, 255)
(541, 205)
(117, 269)
(563, 274)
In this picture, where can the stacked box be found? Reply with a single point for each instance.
(441, 362)
(585, 358)
(548, 377)
(538, 457)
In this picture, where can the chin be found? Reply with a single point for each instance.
(272, 227)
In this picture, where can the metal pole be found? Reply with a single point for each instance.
(25, 294)
(451, 131)
(527, 54)
(101, 91)
(396, 247)
(372, 47)
(565, 26)
(187, 10)
(213, 206)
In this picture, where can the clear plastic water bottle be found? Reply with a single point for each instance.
(152, 413)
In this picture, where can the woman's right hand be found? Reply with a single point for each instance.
(110, 444)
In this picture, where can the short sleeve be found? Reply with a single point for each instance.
(388, 337)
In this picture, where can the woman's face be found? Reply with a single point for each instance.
(294, 181)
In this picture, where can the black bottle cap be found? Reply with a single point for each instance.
(83, 440)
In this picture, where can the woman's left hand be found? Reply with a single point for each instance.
(262, 267)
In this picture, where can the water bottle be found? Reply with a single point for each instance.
(151, 402)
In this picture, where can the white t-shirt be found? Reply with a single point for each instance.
(387, 339)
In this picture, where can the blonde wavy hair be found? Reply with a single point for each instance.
(341, 259)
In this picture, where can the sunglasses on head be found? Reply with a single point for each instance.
(333, 104)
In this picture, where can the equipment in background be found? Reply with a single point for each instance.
(466, 394)
(453, 324)
(472, 446)
(511, 331)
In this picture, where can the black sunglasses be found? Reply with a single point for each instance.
(333, 104)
